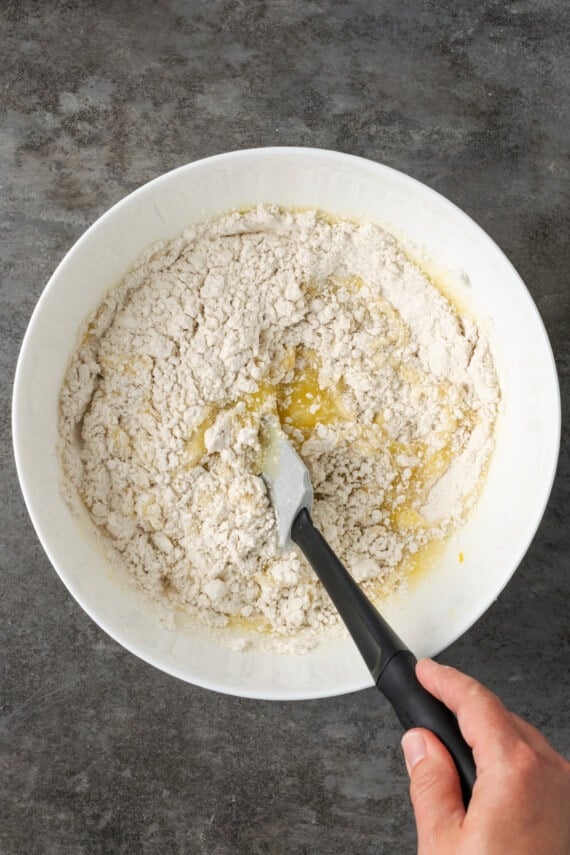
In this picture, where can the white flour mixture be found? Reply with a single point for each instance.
(389, 395)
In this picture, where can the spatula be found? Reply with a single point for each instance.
(390, 662)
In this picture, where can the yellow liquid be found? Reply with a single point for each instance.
(300, 403)
(303, 404)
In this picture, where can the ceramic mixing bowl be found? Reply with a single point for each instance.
(442, 603)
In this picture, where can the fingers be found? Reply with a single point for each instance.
(434, 789)
(485, 723)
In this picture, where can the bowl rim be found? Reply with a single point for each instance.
(234, 156)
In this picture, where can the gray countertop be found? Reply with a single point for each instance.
(100, 752)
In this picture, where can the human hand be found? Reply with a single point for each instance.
(521, 798)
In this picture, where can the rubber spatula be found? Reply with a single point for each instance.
(390, 662)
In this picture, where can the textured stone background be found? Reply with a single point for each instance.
(101, 753)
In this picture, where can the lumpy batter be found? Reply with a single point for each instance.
(388, 394)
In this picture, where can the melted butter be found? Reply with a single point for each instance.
(406, 518)
(195, 447)
(441, 279)
(249, 624)
(351, 283)
(300, 402)
(425, 559)
(303, 404)
(434, 466)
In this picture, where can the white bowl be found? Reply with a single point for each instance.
(443, 603)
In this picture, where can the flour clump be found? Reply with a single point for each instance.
(389, 395)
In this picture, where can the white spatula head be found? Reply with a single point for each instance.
(287, 478)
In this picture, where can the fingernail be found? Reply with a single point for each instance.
(414, 748)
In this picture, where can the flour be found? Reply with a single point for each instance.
(388, 394)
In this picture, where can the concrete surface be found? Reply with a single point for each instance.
(101, 753)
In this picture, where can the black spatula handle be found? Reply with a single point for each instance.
(415, 707)
(390, 662)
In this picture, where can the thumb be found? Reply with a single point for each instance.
(435, 791)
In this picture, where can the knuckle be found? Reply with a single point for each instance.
(526, 765)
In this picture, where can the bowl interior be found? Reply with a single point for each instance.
(441, 604)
